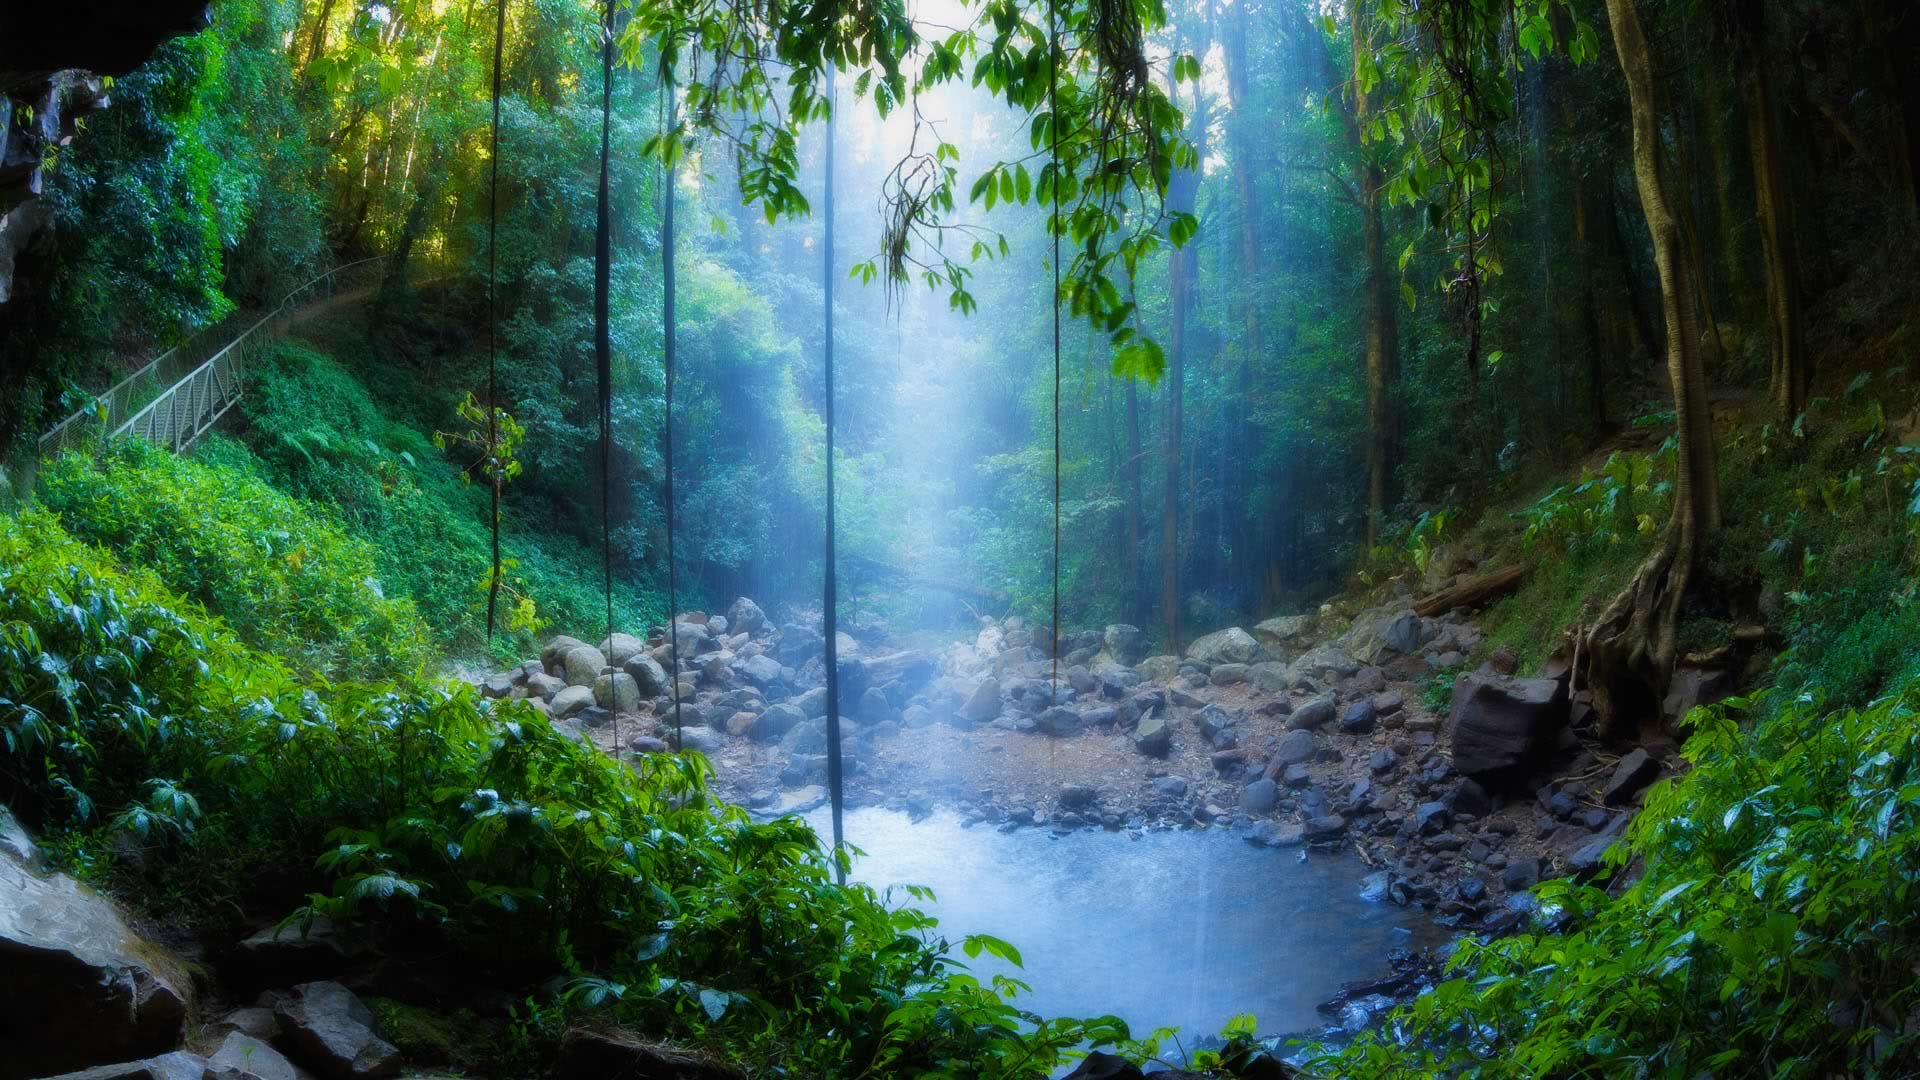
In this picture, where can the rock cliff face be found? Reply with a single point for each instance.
(50, 76)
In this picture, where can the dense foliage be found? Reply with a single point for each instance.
(132, 722)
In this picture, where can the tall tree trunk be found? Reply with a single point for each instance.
(1787, 371)
(318, 43)
(1382, 359)
(1629, 652)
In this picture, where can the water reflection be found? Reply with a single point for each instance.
(1173, 928)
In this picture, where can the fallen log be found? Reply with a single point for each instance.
(1471, 592)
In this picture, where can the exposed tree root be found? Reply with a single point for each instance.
(1627, 655)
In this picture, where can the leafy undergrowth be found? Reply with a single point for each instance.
(284, 574)
(1774, 931)
(161, 755)
(312, 430)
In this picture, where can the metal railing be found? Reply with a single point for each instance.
(186, 390)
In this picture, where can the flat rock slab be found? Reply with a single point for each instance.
(243, 1057)
(174, 1066)
(77, 986)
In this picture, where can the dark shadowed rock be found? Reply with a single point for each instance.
(297, 952)
(1501, 729)
(1635, 771)
(77, 986)
(1104, 1066)
(1358, 718)
(330, 1032)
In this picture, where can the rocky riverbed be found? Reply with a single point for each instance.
(1313, 731)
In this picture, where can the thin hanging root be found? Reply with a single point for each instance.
(1630, 649)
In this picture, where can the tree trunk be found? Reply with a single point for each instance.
(1628, 654)
(1787, 371)
(1382, 360)
(318, 43)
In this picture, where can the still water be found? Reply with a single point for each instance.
(1175, 928)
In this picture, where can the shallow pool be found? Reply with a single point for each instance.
(1173, 928)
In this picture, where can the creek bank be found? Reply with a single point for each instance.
(1305, 731)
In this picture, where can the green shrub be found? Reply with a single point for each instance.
(313, 431)
(472, 828)
(1774, 931)
(284, 575)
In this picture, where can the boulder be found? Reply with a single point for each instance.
(1358, 719)
(613, 1055)
(1058, 720)
(1227, 674)
(775, 722)
(703, 739)
(617, 691)
(1230, 646)
(983, 705)
(874, 706)
(331, 1032)
(553, 654)
(648, 676)
(1169, 787)
(570, 701)
(745, 617)
(1158, 668)
(1501, 728)
(296, 952)
(1326, 827)
(1126, 644)
(813, 702)
(1152, 736)
(1077, 796)
(1260, 796)
(1313, 715)
(1281, 630)
(1295, 747)
(912, 669)
(244, 1057)
(582, 665)
(619, 648)
(1635, 771)
(1327, 661)
(77, 986)
(762, 671)
(1269, 676)
(544, 686)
